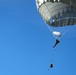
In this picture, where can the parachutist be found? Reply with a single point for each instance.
(57, 35)
(57, 41)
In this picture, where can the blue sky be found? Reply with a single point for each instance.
(26, 42)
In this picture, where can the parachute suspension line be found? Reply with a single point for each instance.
(63, 34)
(51, 29)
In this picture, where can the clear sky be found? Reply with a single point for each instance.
(26, 42)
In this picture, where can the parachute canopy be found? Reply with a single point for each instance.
(61, 12)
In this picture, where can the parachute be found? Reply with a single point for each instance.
(62, 12)
(57, 13)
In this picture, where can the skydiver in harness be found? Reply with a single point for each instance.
(57, 35)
